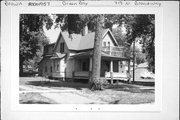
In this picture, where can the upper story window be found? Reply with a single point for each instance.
(46, 49)
(108, 43)
(104, 43)
(62, 47)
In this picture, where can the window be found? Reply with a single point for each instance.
(104, 43)
(54, 61)
(46, 49)
(51, 68)
(85, 66)
(46, 69)
(108, 43)
(57, 66)
(62, 47)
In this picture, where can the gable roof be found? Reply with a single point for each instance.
(87, 41)
(78, 42)
(72, 43)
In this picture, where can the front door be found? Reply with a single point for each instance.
(84, 64)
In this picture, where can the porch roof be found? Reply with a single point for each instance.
(103, 55)
(57, 55)
(83, 54)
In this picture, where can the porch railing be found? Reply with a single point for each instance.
(113, 51)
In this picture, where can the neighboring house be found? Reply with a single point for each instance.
(70, 57)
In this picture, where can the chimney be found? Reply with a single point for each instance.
(85, 30)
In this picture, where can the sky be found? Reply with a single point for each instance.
(52, 34)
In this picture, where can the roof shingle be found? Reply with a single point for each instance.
(79, 42)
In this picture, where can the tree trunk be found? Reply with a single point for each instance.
(21, 60)
(95, 83)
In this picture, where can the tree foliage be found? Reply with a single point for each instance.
(138, 26)
(74, 23)
(32, 37)
(143, 26)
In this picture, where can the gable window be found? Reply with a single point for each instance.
(108, 43)
(62, 47)
(104, 44)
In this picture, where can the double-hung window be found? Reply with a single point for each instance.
(62, 47)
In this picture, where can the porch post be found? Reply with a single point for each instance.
(111, 71)
(90, 68)
(111, 66)
(129, 71)
(129, 66)
(90, 64)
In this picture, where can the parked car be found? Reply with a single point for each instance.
(147, 75)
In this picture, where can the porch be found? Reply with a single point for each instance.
(112, 68)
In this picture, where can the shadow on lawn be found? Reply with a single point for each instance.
(34, 102)
(130, 88)
(59, 84)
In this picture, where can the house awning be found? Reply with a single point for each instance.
(58, 56)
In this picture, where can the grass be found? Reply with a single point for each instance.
(34, 98)
(121, 93)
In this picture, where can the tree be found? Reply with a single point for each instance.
(32, 37)
(138, 26)
(95, 82)
(143, 26)
(74, 23)
(140, 57)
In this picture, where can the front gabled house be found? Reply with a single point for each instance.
(70, 57)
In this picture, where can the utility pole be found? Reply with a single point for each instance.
(134, 61)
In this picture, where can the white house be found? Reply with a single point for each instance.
(70, 57)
